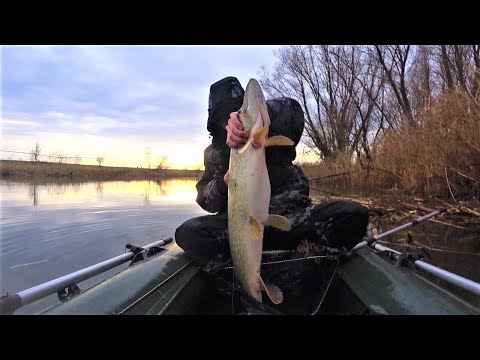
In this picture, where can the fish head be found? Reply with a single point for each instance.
(254, 113)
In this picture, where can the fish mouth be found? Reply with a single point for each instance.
(254, 106)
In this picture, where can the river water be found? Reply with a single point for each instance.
(52, 229)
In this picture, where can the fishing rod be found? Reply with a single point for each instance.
(448, 276)
(9, 303)
(397, 229)
(372, 239)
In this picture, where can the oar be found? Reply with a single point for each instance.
(448, 276)
(10, 303)
(373, 238)
(397, 229)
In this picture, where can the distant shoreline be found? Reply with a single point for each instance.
(30, 170)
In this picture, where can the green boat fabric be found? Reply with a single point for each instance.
(395, 290)
(170, 284)
(144, 287)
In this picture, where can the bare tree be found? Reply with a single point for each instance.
(367, 92)
(326, 81)
(457, 66)
(77, 159)
(446, 72)
(162, 162)
(100, 159)
(350, 94)
(476, 61)
(395, 63)
(58, 157)
(61, 157)
(148, 154)
(35, 152)
(421, 79)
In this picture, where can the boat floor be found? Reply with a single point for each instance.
(213, 296)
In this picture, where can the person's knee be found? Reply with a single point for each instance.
(359, 209)
(202, 238)
(361, 212)
(341, 223)
(185, 232)
(357, 217)
(340, 209)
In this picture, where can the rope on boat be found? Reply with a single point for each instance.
(152, 290)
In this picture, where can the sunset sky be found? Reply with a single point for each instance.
(115, 101)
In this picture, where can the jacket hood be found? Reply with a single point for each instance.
(286, 116)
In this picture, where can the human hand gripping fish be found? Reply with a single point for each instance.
(249, 195)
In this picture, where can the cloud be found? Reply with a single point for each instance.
(15, 123)
(129, 94)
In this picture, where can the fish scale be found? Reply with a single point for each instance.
(249, 196)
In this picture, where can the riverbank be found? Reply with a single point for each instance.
(393, 204)
(29, 170)
(437, 156)
(450, 241)
(398, 209)
(322, 188)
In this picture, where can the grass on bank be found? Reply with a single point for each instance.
(440, 156)
(12, 169)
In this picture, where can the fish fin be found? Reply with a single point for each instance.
(279, 140)
(247, 144)
(279, 222)
(257, 230)
(260, 137)
(273, 292)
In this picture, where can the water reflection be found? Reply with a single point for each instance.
(146, 198)
(99, 189)
(159, 189)
(33, 194)
(52, 229)
(156, 188)
(451, 245)
(66, 194)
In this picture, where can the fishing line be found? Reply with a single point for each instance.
(284, 261)
(233, 290)
(326, 290)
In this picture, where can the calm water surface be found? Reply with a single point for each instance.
(50, 230)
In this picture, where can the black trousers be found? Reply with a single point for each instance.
(335, 224)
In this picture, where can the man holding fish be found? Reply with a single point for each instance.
(260, 198)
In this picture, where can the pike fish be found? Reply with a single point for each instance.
(249, 196)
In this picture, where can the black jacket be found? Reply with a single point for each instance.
(289, 186)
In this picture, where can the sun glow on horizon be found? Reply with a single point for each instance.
(176, 154)
(117, 152)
